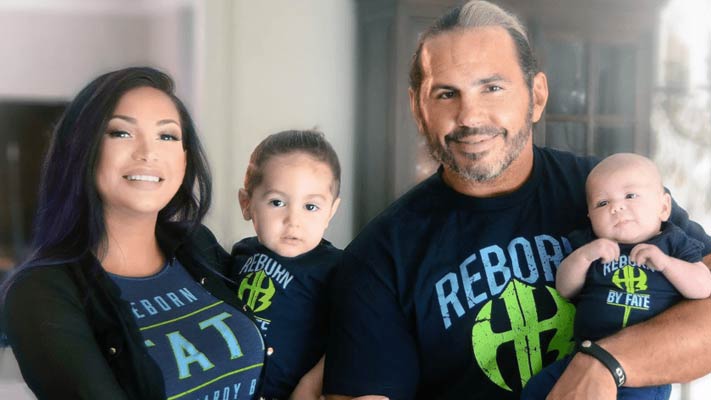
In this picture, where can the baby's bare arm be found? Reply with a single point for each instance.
(692, 280)
(572, 270)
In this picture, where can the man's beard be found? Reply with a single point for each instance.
(480, 173)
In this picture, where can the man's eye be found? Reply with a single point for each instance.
(446, 95)
(169, 137)
(276, 203)
(311, 207)
(119, 134)
(602, 203)
(494, 88)
(631, 196)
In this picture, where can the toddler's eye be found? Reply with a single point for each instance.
(311, 207)
(276, 203)
(631, 196)
(601, 203)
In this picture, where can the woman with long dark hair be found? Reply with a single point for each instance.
(123, 294)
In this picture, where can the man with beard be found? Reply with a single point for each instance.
(449, 292)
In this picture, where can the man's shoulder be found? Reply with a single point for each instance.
(554, 158)
(417, 200)
(563, 171)
(404, 216)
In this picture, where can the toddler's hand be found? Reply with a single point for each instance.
(649, 255)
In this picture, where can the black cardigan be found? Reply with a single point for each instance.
(74, 338)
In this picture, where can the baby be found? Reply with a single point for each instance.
(291, 192)
(630, 267)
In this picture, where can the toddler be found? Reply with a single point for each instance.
(291, 192)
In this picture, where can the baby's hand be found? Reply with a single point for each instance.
(649, 255)
(604, 249)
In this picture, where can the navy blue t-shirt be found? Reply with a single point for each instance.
(289, 299)
(205, 348)
(444, 295)
(621, 293)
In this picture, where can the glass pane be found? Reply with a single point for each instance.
(615, 80)
(567, 72)
(681, 115)
(568, 136)
(614, 140)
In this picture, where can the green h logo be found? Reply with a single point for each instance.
(260, 289)
(519, 301)
(631, 280)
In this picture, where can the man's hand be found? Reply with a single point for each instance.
(585, 379)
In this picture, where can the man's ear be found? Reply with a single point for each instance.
(415, 109)
(666, 206)
(540, 95)
(244, 199)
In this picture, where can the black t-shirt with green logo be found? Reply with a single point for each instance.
(289, 300)
(449, 296)
(621, 293)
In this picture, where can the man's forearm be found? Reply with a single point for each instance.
(674, 346)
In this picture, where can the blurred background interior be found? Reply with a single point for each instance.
(624, 75)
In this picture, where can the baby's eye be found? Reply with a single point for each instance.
(631, 196)
(276, 203)
(311, 207)
(118, 134)
(601, 203)
(169, 137)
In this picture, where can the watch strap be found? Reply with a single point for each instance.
(593, 349)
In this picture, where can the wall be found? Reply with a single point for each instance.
(244, 68)
(269, 66)
(50, 53)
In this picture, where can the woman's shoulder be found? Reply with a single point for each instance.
(37, 294)
(32, 283)
(198, 247)
(172, 234)
(202, 235)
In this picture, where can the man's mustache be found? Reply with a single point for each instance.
(465, 131)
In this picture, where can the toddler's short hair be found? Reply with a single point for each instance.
(310, 142)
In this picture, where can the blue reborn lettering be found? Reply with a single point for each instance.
(165, 302)
(518, 259)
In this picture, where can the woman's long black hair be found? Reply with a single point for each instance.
(70, 219)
